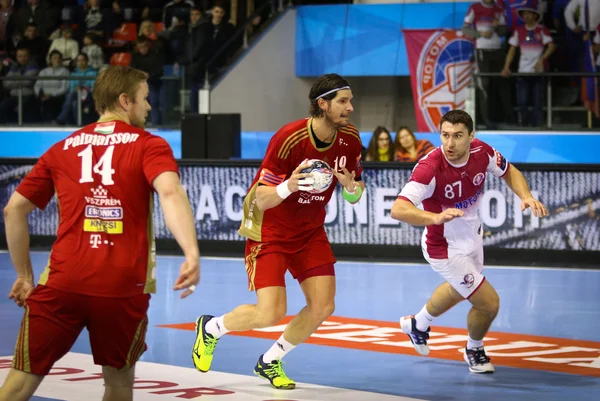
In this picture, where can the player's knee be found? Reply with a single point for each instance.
(118, 379)
(267, 317)
(323, 309)
(490, 304)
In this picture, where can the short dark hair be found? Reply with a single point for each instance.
(324, 84)
(458, 117)
(54, 52)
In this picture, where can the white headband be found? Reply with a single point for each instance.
(331, 91)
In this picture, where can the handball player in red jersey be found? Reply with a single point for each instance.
(449, 183)
(101, 270)
(283, 223)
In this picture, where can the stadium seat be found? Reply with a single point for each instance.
(126, 33)
(159, 26)
(122, 59)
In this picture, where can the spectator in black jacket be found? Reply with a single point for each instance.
(177, 11)
(150, 59)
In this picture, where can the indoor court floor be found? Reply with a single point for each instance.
(545, 342)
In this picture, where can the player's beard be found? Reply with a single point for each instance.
(139, 123)
(340, 123)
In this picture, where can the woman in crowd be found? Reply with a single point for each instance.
(408, 148)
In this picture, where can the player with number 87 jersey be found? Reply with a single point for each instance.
(449, 183)
(101, 270)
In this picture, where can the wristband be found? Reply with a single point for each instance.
(283, 191)
(354, 196)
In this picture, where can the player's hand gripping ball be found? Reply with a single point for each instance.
(321, 179)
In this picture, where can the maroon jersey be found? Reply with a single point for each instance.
(102, 176)
(300, 214)
(440, 185)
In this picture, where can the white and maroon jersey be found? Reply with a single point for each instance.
(532, 42)
(440, 185)
(481, 16)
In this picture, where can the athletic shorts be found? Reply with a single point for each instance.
(463, 272)
(267, 262)
(54, 319)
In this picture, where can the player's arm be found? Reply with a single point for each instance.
(161, 171)
(268, 196)
(353, 186)
(35, 191)
(404, 210)
(17, 233)
(518, 184)
(179, 217)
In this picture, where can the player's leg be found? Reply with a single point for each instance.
(117, 328)
(19, 386)
(486, 304)
(417, 327)
(118, 383)
(318, 285)
(51, 324)
(312, 266)
(266, 267)
(319, 291)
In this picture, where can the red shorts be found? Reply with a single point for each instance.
(54, 319)
(267, 262)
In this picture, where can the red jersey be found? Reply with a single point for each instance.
(102, 175)
(301, 213)
(440, 185)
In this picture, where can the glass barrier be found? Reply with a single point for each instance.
(543, 101)
(68, 101)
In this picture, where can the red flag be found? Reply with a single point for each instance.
(440, 63)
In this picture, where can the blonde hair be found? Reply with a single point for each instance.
(143, 26)
(114, 81)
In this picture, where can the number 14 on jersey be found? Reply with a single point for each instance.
(103, 167)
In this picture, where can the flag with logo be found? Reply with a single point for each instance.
(589, 85)
(441, 65)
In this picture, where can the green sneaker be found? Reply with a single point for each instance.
(274, 373)
(204, 347)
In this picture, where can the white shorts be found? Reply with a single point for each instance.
(463, 272)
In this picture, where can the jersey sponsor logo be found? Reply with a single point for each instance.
(101, 226)
(306, 198)
(104, 213)
(478, 179)
(100, 140)
(506, 349)
(500, 161)
(443, 75)
(470, 201)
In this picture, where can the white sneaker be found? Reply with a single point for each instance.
(408, 324)
(478, 361)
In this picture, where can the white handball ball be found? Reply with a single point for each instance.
(322, 175)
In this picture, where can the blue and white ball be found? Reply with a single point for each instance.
(322, 176)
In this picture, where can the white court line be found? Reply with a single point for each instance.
(161, 382)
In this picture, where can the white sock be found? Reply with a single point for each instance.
(471, 344)
(216, 327)
(278, 350)
(424, 319)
